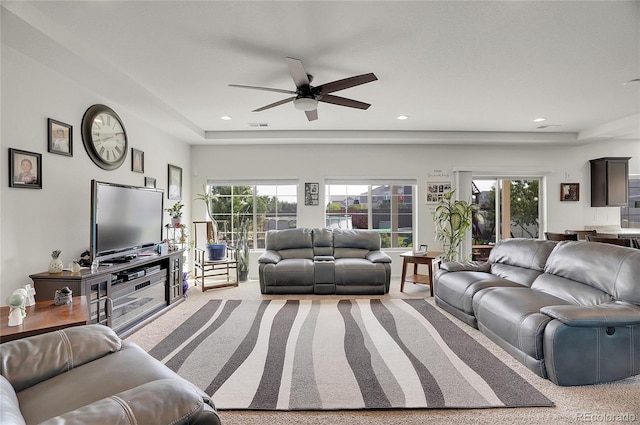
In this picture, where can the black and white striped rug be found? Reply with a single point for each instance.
(338, 354)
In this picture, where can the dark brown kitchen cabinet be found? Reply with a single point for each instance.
(610, 182)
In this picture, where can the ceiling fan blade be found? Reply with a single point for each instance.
(343, 101)
(297, 72)
(312, 115)
(262, 88)
(346, 83)
(273, 105)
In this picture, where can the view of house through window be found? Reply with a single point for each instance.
(266, 206)
(630, 215)
(508, 208)
(386, 208)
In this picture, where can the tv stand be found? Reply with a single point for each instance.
(125, 259)
(153, 284)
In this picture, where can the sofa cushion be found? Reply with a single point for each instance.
(350, 253)
(322, 242)
(10, 408)
(610, 268)
(296, 253)
(288, 239)
(513, 315)
(520, 260)
(570, 290)
(355, 238)
(289, 272)
(358, 271)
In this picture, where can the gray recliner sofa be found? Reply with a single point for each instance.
(569, 311)
(87, 375)
(324, 261)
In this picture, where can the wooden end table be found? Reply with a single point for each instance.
(429, 259)
(43, 317)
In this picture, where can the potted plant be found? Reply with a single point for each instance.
(452, 219)
(216, 249)
(176, 213)
(242, 247)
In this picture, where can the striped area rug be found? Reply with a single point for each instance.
(338, 354)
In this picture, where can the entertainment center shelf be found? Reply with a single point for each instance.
(122, 296)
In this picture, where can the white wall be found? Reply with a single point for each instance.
(35, 222)
(313, 163)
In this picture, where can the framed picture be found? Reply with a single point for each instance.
(25, 169)
(150, 182)
(436, 191)
(312, 193)
(422, 250)
(137, 160)
(175, 182)
(60, 137)
(569, 191)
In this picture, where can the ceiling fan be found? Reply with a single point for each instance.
(307, 96)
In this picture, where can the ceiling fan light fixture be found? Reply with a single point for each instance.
(305, 104)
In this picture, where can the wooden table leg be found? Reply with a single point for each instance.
(430, 267)
(404, 272)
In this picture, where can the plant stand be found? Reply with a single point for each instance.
(219, 273)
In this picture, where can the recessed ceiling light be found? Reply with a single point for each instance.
(225, 117)
(402, 117)
(539, 119)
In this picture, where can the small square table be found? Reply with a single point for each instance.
(429, 259)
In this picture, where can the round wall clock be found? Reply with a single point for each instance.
(104, 137)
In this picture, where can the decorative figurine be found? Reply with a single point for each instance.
(17, 312)
(31, 295)
(63, 296)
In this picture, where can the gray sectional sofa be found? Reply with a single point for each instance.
(324, 261)
(87, 375)
(569, 311)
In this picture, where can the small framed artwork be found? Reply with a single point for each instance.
(569, 191)
(137, 160)
(25, 169)
(312, 193)
(175, 182)
(422, 250)
(150, 182)
(60, 137)
(436, 191)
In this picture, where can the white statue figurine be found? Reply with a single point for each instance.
(17, 312)
(31, 295)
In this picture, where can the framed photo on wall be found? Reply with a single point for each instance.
(137, 160)
(150, 182)
(25, 169)
(60, 137)
(569, 191)
(175, 182)
(312, 193)
(436, 191)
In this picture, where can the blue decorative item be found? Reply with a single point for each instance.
(185, 284)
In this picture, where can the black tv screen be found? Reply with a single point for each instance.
(124, 219)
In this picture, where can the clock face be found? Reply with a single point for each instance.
(104, 137)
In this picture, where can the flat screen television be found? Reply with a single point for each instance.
(125, 220)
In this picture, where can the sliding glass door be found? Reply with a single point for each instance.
(507, 208)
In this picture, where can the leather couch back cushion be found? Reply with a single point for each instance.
(570, 290)
(60, 351)
(322, 242)
(609, 268)
(528, 253)
(350, 253)
(520, 275)
(289, 239)
(351, 238)
(296, 253)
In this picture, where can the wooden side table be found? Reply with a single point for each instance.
(205, 268)
(429, 259)
(43, 317)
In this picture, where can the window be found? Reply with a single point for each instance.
(266, 206)
(630, 215)
(508, 208)
(386, 208)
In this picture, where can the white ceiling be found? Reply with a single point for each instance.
(479, 71)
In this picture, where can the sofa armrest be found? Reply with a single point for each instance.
(269, 257)
(28, 361)
(378, 257)
(9, 407)
(165, 401)
(466, 266)
(609, 315)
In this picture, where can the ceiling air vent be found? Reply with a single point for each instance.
(258, 124)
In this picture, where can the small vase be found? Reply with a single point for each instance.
(56, 266)
(175, 222)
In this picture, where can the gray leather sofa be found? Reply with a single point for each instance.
(87, 375)
(569, 311)
(324, 261)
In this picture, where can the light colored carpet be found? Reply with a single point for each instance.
(617, 402)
